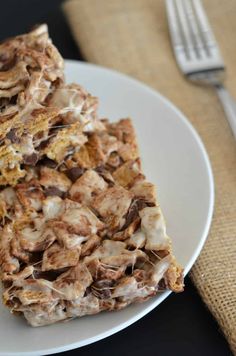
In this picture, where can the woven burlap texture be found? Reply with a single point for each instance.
(132, 36)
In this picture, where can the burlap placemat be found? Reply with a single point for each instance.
(132, 37)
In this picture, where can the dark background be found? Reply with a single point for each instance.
(181, 325)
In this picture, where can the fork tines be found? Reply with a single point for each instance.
(194, 44)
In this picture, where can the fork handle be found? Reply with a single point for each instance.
(229, 106)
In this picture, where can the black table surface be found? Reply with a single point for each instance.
(181, 325)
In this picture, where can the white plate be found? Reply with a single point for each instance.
(175, 160)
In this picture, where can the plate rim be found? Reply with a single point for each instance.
(201, 242)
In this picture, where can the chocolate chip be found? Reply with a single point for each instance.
(9, 62)
(13, 100)
(105, 174)
(105, 294)
(50, 191)
(87, 291)
(74, 173)
(141, 204)
(114, 160)
(49, 275)
(130, 217)
(11, 135)
(31, 160)
(3, 57)
(104, 283)
(48, 162)
(44, 144)
(129, 270)
(101, 289)
(133, 212)
(150, 204)
(100, 169)
(161, 285)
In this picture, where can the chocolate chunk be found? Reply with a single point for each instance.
(31, 160)
(74, 173)
(11, 135)
(50, 191)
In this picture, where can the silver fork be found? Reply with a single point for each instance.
(197, 52)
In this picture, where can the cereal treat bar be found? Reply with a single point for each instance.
(81, 229)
